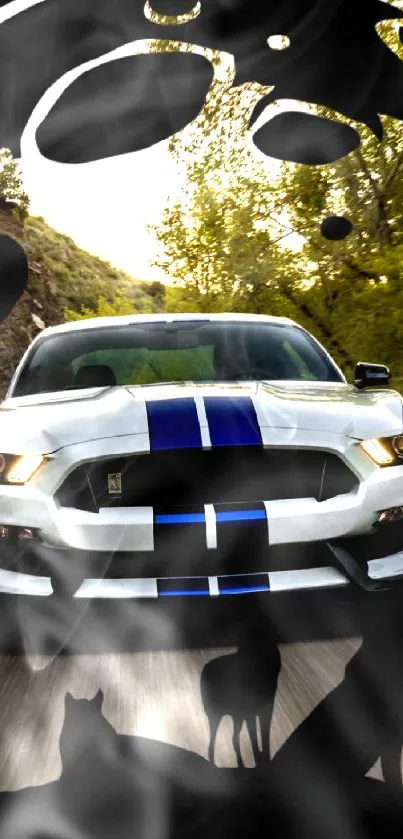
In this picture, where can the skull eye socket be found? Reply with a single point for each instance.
(125, 105)
(304, 138)
(336, 228)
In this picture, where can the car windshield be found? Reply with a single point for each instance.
(151, 353)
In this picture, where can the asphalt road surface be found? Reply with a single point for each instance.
(152, 694)
(148, 661)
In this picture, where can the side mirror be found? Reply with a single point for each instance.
(371, 375)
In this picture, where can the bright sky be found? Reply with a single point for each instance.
(104, 206)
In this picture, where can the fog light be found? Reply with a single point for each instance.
(25, 533)
(393, 514)
(5, 532)
(398, 445)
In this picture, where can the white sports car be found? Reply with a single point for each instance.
(169, 455)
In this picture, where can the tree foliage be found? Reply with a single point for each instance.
(245, 231)
(247, 237)
(11, 183)
(85, 285)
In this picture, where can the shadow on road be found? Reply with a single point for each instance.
(55, 625)
(243, 686)
(121, 786)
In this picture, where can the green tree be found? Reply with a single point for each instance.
(245, 231)
(229, 242)
(357, 283)
(11, 183)
(157, 291)
(119, 304)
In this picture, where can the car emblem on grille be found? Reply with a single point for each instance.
(115, 483)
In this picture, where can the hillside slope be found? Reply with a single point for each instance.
(61, 277)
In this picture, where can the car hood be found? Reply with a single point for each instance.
(47, 422)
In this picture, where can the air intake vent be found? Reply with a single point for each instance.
(193, 476)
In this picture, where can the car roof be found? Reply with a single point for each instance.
(126, 320)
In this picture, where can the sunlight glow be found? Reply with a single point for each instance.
(278, 42)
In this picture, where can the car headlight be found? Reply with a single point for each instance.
(384, 451)
(19, 469)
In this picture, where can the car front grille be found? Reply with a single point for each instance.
(190, 477)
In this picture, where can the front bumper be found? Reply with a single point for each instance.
(40, 571)
(128, 529)
(225, 549)
(388, 568)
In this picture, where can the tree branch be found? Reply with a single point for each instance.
(384, 231)
(398, 164)
(361, 271)
(367, 172)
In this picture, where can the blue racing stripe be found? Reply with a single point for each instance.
(200, 518)
(180, 518)
(180, 593)
(173, 424)
(241, 515)
(244, 583)
(197, 586)
(206, 592)
(232, 421)
(251, 590)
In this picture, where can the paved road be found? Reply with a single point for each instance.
(153, 694)
(148, 659)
